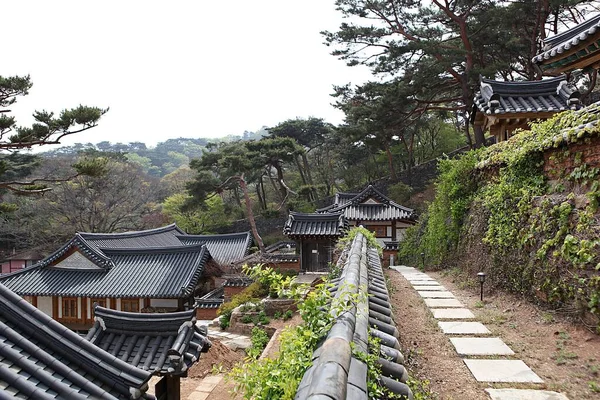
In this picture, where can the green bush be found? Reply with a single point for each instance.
(252, 294)
(400, 192)
(259, 341)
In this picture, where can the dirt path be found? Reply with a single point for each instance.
(565, 356)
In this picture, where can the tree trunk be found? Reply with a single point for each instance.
(309, 177)
(479, 136)
(390, 162)
(248, 202)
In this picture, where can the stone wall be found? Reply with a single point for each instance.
(560, 162)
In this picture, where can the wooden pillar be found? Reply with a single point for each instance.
(394, 230)
(173, 388)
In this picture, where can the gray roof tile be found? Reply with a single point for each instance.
(558, 44)
(162, 343)
(549, 95)
(336, 372)
(43, 359)
(315, 225)
(224, 249)
(357, 208)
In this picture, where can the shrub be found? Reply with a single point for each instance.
(252, 294)
(259, 341)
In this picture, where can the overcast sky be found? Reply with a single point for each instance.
(175, 68)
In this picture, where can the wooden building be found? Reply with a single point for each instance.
(18, 261)
(375, 211)
(42, 359)
(316, 235)
(152, 270)
(501, 107)
(576, 48)
(166, 344)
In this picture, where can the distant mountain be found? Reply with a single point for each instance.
(160, 160)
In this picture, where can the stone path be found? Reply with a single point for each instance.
(231, 340)
(471, 339)
(205, 387)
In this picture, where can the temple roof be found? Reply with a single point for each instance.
(42, 359)
(162, 343)
(315, 225)
(169, 272)
(226, 248)
(369, 205)
(564, 49)
(157, 263)
(545, 96)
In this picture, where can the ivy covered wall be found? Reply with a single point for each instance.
(524, 211)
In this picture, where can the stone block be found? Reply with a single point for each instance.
(524, 394)
(436, 295)
(481, 347)
(463, 328)
(502, 371)
(452, 313)
(443, 303)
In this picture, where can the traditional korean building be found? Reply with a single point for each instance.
(18, 261)
(152, 270)
(42, 359)
(576, 48)
(375, 211)
(501, 107)
(166, 344)
(316, 235)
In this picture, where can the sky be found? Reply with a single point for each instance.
(171, 69)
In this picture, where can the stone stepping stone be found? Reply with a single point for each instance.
(426, 288)
(436, 295)
(443, 303)
(452, 313)
(418, 277)
(463, 328)
(424, 283)
(502, 371)
(402, 268)
(481, 347)
(524, 394)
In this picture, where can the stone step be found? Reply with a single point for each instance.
(436, 295)
(481, 347)
(425, 283)
(502, 371)
(431, 287)
(463, 328)
(443, 303)
(452, 313)
(524, 394)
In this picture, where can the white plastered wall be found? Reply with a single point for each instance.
(44, 304)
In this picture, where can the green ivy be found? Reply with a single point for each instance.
(538, 240)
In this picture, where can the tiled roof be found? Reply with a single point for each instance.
(212, 299)
(336, 373)
(238, 281)
(549, 95)
(224, 249)
(381, 209)
(315, 225)
(42, 359)
(555, 46)
(340, 199)
(160, 237)
(169, 272)
(162, 343)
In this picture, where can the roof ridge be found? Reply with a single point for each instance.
(213, 235)
(109, 370)
(155, 250)
(146, 232)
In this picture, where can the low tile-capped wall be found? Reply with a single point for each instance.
(336, 373)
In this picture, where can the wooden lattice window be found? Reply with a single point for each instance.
(130, 305)
(378, 230)
(69, 307)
